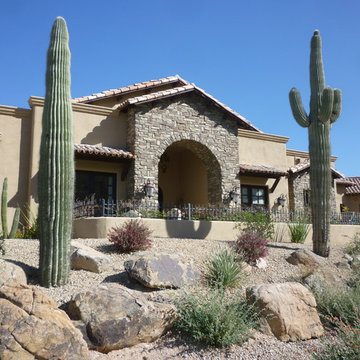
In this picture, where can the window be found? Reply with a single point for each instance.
(254, 196)
(88, 183)
(307, 198)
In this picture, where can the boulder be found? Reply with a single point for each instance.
(260, 263)
(132, 213)
(288, 311)
(160, 271)
(86, 258)
(32, 327)
(306, 258)
(11, 272)
(315, 283)
(117, 317)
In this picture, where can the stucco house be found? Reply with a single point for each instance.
(191, 147)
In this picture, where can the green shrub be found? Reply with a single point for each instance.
(224, 270)
(256, 223)
(132, 236)
(251, 247)
(215, 318)
(299, 230)
(354, 246)
(343, 342)
(333, 302)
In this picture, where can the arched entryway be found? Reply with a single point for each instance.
(189, 173)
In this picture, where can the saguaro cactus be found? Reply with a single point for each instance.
(15, 223)
(56, 171)
(325, 108)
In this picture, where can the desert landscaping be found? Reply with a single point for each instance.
(24, 253)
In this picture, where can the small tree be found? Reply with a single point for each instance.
(325, 108)
(56, 170)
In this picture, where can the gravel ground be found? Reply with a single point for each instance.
(173, 346)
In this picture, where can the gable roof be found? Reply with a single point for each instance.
(355, 189)
(306, 164)
(183, 86)
(131, 88)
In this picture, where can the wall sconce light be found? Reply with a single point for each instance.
(149, 188)
(235, 195)
(281, 200)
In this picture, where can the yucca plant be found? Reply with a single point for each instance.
(299, 230)
(224, 270)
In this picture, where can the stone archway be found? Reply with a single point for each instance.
(188, 172)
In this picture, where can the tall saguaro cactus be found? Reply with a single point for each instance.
(325, 108)
(56, 171)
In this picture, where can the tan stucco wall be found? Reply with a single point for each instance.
(352, 202)
(100, 130)
(209, 230)
(109, 167)
(93, 125)
(281, 188)
(15, 128)
(262, 149)
(184, 180)
(268, 150)
(293, 157)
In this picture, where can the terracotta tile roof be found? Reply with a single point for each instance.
(345, 182)
(261, 170)
(355, 189)
(102, 151)
(306, 164)
(184, 89)
(128, 89)
(155, 96)
(183, 86)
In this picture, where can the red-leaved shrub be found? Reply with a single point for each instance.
(132, 236)
(251, 246)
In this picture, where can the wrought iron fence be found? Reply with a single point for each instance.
(137, 208)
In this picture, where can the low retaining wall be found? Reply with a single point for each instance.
(98, 227)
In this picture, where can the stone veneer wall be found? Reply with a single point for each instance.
(297, 184)
(188, 119)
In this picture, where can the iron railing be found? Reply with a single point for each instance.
(94, 208)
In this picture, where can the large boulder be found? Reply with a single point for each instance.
(160, 271)
(117, 317)
(86, 258)
(11, 272)
(32, 327)
(288, 311)
(306, 258)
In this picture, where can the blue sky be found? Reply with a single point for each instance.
(246, 53)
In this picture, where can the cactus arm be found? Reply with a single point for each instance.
(15, 224)
(317, 76)
(298, 108)
(4, 209)
(326, 107)
(336, 106)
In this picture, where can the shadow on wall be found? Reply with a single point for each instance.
(107, 130)
(186, 229)
(20, 197)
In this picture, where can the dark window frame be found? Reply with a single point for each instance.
(250, 197)
(91, 184)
